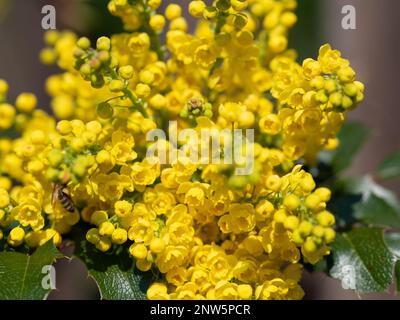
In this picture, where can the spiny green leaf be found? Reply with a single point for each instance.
(390, 167)
(362, 261)
(21, 275)
(378, 212)
(352, 137)
(114, 272)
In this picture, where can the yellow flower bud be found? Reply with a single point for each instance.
(4, 198)
(104, 244)
(119, 236)
(7, 116)
(138, 251)
(312, 202)
(173, 11)
(239, 5)
(157, 22)
(278, 43)
(16, 236)
(106, 228)
(196, 8)
(48, 56)
(178, 24)
(154, 4)
(280, 216)
(309, 246)
(323, 193)
(288, 19)
(38, 137)
(146, 77)
(318, 231)
(126, 72)
(325, 219)
(3, 88)
(291, 202)
(116, 85)
(291, 223)
(93, 236)
(35, 166)
(103, 43)
(98, 217)
(329, 235)
(305, 228)
(64, 127)
(26, 102)
(158, 101)
(83, 43)
(143, 265)
(143, 90)
(5, 183)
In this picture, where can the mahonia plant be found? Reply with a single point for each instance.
(205, 232)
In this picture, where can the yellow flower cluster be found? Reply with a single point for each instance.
(209, 233)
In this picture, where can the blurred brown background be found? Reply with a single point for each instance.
(373, 49)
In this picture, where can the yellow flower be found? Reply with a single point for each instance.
(122, 208)
(142, 173)
(29, 213)
(157, 291)
(241, 218)
(171, 257)
(225, 290)
(329, 59)
(111, 187)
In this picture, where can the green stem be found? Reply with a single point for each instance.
(128, 93)
(137, 104)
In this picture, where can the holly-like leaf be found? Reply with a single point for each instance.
(352, 137)
(114, 272)
(378, 212)
(390, 167)
(362, 261)
(23, 277)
